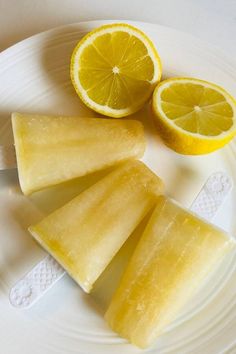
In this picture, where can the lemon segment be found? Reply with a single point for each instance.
(194, 116)
(114, 69)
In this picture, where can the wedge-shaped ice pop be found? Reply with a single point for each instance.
(51, 149)
(173, 256)
(85, 234)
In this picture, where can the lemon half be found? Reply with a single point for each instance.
(194, 116)
(114, 69)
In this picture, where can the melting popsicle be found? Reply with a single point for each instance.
(51, 149)
(175, 253)
(85, 234)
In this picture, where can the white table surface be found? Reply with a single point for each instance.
(211, 20)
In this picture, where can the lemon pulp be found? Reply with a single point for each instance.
(114, 69)
(197, 109)
(194, 116)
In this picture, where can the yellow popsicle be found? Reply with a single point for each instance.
(173, 256)
(51, 149)
(86, 233)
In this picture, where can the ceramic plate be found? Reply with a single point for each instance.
(34, 77)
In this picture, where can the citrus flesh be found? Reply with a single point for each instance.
(194, 116)
(114, 69)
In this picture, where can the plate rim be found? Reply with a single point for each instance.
(211, 47)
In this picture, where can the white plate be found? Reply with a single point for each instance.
(34, 77)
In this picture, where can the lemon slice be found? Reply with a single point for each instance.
(114, 69)
(194, 116)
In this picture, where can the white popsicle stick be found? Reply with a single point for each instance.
(7, 157)
(36, 283)
(47, 272)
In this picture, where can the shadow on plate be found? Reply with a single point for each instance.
(6, 136)
(55, 61)
(179, 181)
(55, 197)
(19, 251)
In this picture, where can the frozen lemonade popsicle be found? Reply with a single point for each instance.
(85, 234)
(175, 253)
(51, 149)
